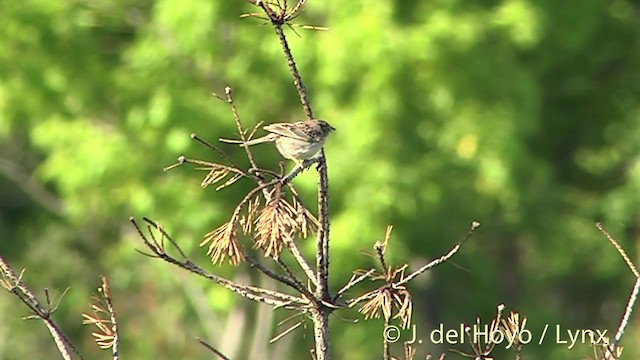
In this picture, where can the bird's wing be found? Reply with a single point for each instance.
(290, 130)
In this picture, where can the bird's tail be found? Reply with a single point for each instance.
(267, 138)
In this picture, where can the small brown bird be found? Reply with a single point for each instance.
(297, 141)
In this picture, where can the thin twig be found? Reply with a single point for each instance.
(352, 282)
(380, 248)
(229, 91)
(297, 80)
(210, 164)
(299, 286)
(386, 352)
(634, 292)
(442, 258)
(282, 334)
(617, 246)
(211, 348)
(298, 169)
(295, 10)
(293, 248)
(209, 145)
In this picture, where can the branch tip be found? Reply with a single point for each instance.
(181, 160)
(475, 224)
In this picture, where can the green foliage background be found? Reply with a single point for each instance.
(521, 114)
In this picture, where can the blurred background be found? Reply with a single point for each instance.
(521, 114)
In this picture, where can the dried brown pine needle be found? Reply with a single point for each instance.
(307, 222)
(215, 175)
(246, 221)
(513, 326)
(404, 305)
(229, 182)
(102, 318)
(105, 337)
(373, 307)
(223, 241)
(410, 352)
(388, 299)
(275, 227)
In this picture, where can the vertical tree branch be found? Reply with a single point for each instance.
(320, 313)
(297, 81)
(386, 352)
(106, 293)
(322, 255)
(320, 317)
(322, 251)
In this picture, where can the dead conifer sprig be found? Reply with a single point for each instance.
(393, 298)
(279, 13)
(270, 297)
(247, 220)
(104, 318)
(606, 350)
(476, 344)
(13, 284)
(513, 327)
(390, 300)
(275, 226)
(223, 242)
(307, 222)
(217, 174)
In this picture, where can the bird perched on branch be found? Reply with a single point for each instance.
(297, 141)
